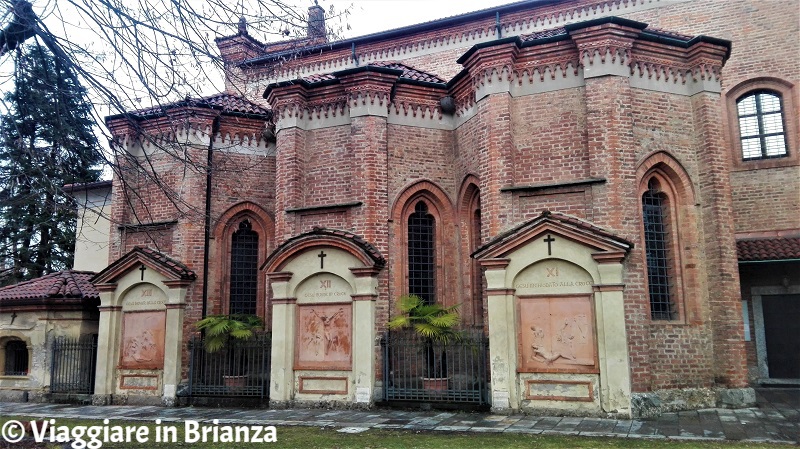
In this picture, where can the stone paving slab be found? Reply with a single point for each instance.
(776, 420)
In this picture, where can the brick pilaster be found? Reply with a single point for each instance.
(730, 359)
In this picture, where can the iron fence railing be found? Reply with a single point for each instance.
(73, 367)
(240, 369)
(418, 369)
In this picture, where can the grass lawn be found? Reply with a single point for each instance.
(315, 437)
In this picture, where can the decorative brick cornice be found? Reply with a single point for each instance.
(369, 93)
(610, 39)
(515, 20)
(489, 63)
(327, 106)
(706, 58)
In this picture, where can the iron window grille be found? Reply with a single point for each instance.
(657, 249)
(422, 254)
(761, 127)
(16, 358)
(244, 270)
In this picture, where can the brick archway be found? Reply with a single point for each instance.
(264, 225)
(440, 206)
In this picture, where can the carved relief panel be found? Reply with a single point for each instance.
(324, 324)
(556, 334)
(324, 337)
(143, 328)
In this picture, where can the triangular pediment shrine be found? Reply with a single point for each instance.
(605, 244)
(138, 257)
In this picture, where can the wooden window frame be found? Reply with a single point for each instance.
(789, 103)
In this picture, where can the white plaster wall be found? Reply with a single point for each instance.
(92, 229)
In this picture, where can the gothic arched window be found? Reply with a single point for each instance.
(658, 251)
(422, 254)
(244, 270)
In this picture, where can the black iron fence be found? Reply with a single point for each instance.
(418, 369)
(240, 369)
(73, 367)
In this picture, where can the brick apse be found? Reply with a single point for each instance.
(627, 168)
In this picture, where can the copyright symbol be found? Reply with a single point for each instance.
(13, 431)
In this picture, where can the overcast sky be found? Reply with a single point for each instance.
(372, 16)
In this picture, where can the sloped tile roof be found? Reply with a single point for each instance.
(777, 248)
(355, 238)
(408, 73)
(139, 254)
(568, 220)
(69, 284)
(560, 31)
(667, 33)
(318, 232)
(178, 268)
(316, 78)
(227, 103)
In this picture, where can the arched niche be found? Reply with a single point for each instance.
(323, 288)
(552, 276)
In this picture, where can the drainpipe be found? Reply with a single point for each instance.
(497, 26)
(207, 227)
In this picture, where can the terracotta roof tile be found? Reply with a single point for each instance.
(569, 220)
(69, 284)
(408, 73)
(317, 232)
(667, 33)
(319, 78)
(777, 248)
(227, 103)
(178, 268)
(560, 31)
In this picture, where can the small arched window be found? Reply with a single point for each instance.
(244, 270)
(16, 358)
(658, 252)
(422, 254)
(761, 125)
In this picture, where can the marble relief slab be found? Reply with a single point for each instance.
(143, 340)
(556, 334)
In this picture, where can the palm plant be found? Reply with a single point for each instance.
(435, 323)
(431, 321)
(221, 329)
